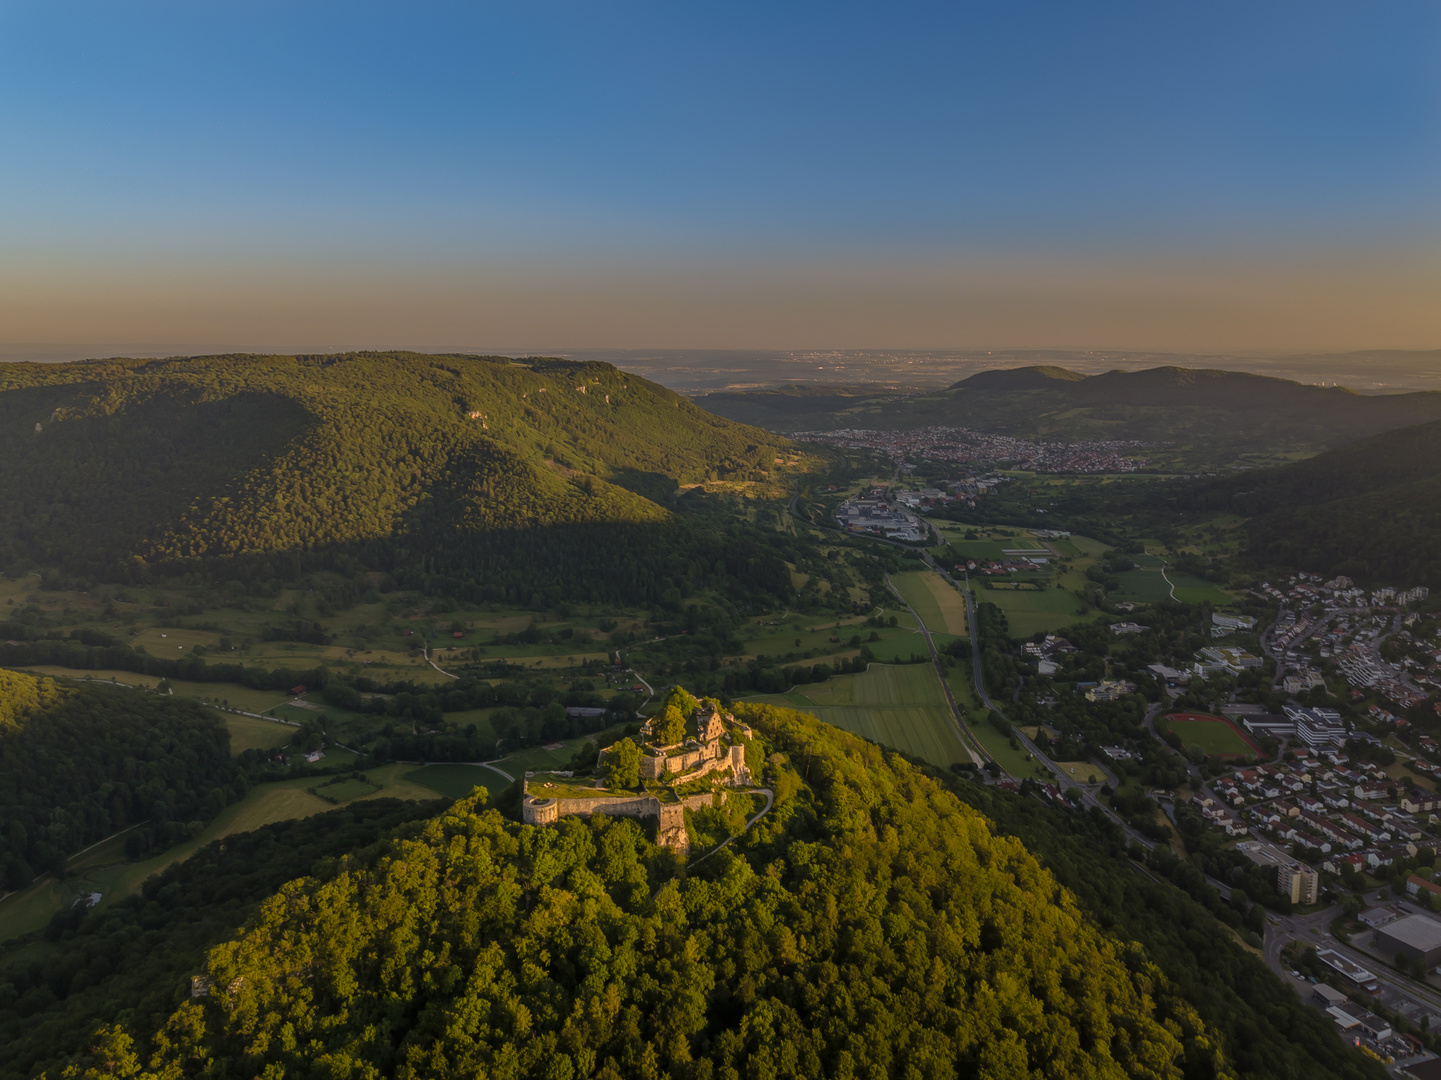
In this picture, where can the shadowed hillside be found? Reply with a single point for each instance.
(1370, 510)
(106, 466)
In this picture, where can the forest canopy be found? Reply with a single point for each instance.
(476, 465)
(871, 925)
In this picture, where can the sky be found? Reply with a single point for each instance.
(531, 176)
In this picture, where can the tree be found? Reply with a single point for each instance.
(668, 728)
(622, 765)
(683, 700)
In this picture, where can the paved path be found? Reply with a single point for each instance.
(432, 663)
(770, 801)
(476, 764)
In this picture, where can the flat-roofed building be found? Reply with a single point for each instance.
(1416, 937)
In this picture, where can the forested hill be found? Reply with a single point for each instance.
(872, 925)
(108, 462)
(1217, 412)
(1370, 510)
(77, 765)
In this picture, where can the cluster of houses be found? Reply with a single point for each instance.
(981, 447)
(1340, 592)
(1348, 811)
(1348, 632)
(1017, 561)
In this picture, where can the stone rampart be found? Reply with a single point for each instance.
(670, 817)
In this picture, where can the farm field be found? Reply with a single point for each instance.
(235, 695)
(900, 707)
(1212, 734)
(980, 550)
(999, 747)
(103, 868)
(816, 635)
(1145, 586)
(248, 733)
(457, 781)
(1028, 611)
(900, 649)
(940, 606)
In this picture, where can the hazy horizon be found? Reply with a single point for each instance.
(559, 176)
(701, 371)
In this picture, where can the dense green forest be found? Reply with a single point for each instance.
(78, 765)
(133, 958)
(1370, 510)
(1214, 414)
(476, 471)
(872, 925)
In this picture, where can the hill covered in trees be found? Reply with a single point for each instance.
(468, 464)
(872, 925)
(77, 765)
(1370, 510)
(1210, 414)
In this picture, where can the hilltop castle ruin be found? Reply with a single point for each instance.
(716, 748)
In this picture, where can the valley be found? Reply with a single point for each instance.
(358, 679)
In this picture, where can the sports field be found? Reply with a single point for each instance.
(896, 706)
(940, 606)
(1212, 734)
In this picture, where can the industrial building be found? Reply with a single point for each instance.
(1416, 937)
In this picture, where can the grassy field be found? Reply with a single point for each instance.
(235, 695)
(999, 747)
(1082, 771)
(1030, 610)
(940, 607)
(169, 643)
(103, 869)
(457, 781)
(902, 648)
(1145, 586)
(980, 550)
(1213, 735)
(348, 790)
(248, 733)
(902, 707)
(813, 634)
(125, 678)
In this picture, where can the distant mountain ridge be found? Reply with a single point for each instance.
(1211, 416)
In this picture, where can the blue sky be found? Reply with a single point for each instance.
(537, 143)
